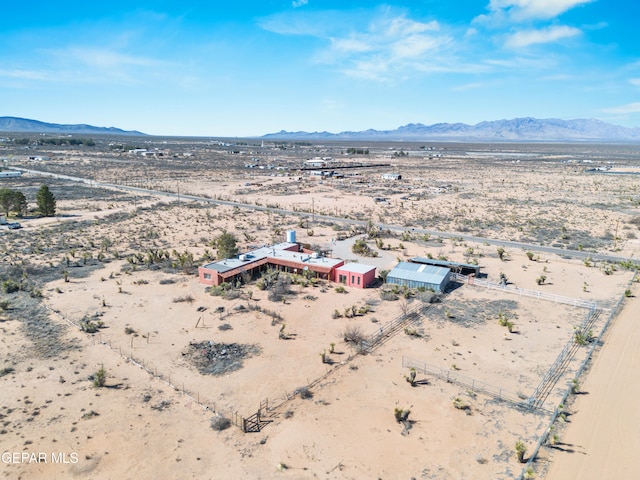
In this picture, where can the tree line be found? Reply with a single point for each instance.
(14, 201)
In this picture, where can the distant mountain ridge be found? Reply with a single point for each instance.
(514, 130)
(25, 125)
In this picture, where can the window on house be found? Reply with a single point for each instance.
(358, 280)
(207, 276)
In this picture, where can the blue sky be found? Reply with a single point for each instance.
(248, 68)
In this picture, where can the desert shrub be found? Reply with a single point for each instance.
(224, 327)
(129, 330)
(460, 404)
(388, 295)
(166, 281)
(185, 298)
(6, 371)
(582, 338)
(4, 304)
(304, 392)
(89, 326)
(220, 422)
(521, 449)
(401, 414)
(10, 286)
(100, 378)
(232, 294)
(353, 334)
(280, 288)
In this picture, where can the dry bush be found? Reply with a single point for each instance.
(220, 422)
(353, 334)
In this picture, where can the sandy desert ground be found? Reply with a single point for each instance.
(91, 264)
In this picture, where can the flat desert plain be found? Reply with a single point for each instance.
(108, 289)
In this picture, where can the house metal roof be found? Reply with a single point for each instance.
(417, 272)
(444, 263)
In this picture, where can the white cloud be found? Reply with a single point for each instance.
(519, 10)
(25, 74)
(299, 3)
(623, 109)
(387, 47)
(104, 58)
(524, 38)
(635, 82)
(383, 44)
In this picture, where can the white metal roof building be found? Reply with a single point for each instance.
(415, 275)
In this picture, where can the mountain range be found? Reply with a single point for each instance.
(514, 130)
(24, 125)
(525, 129)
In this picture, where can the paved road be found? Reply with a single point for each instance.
(432, 233)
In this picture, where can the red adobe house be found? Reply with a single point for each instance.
(356, 275)
(287, 257)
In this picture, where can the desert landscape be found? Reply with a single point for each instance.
(116, 362)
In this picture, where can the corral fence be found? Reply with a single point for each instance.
(542, 440)
(267, 410)
(473, 385)
(386, 331)
(471, 280)
(559, 367)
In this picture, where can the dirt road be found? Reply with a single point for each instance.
(603, 439)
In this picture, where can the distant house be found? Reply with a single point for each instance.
(315, 163)
(416, 275)
(391, 176)
(356, 275)
(39, 158)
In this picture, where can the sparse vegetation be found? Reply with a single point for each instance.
(521, 449)
(219, 423)
(100, 378)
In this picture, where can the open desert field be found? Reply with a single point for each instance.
(108, 289)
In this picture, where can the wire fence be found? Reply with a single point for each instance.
(576, 302)
(175, 384)
(475, 386)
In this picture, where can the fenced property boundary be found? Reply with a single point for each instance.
(476, 386)
(140, 363)
(542, 440)
(471, 280)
